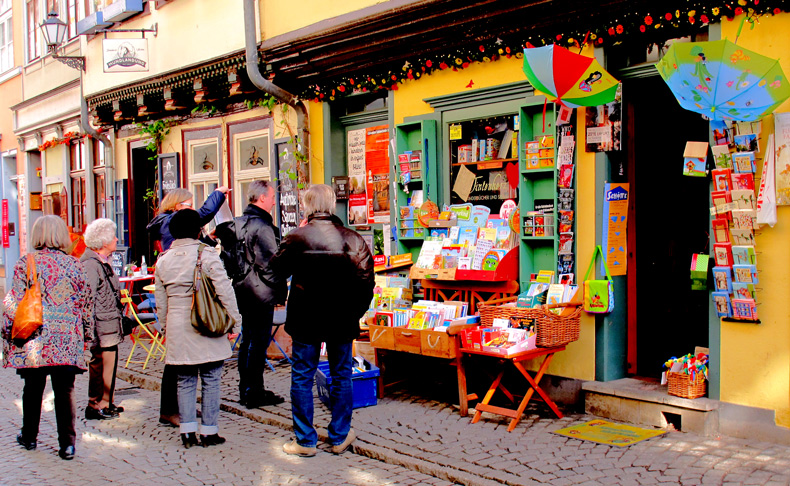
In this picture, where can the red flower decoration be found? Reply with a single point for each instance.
(443, 65)
(482, 49)
(703, 18)
(350, 80)
(465, 65)
(559, 36)
(428, 63)
(507, 49)
(648, 20)
(738, 11)
(619, 29)
(341, 88)
(777, 11)
(642, 28)
(757, 2)
(611, 31)
(395, 87)
(394, 78)
(668, 16)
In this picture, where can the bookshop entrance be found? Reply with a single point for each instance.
(670, 223)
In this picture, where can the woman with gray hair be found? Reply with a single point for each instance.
(56, 348)
(101, 242)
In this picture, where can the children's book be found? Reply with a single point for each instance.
(721, 179)
(744, 255)
(744, 198)
(721, 230)
(535, 295)
(467, 235)
(742, 181)
(723, 254)
(722, 279)
(482, 247)
(745, 273)
(503, 238)
(486, 234)
(742, 236)
(463, 213)
(491, 259)
(744, 309)
(383, 318)
(545, 276)
(743, 162)
(439, 232)
(741, 290)
(453, 234)
(722, 302)
(533, 161)
(721, 156)
(480, 215)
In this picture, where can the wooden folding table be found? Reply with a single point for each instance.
(533, 381)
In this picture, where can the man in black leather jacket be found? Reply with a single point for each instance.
(257, 291)
(331, 289)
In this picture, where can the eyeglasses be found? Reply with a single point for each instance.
(186, 204)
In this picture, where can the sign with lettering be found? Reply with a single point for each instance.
(118, 260)
(169, 170)
(289, 194)
(125, 55)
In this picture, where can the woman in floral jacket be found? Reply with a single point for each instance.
(58, 348)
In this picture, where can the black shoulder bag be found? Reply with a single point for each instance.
(209, 317)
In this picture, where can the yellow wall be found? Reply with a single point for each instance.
(316, 122)
(54, 160)
(277, 16)
(755, 359)
(578, 361)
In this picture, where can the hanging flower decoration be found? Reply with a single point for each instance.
(645, 27)
(67, 138)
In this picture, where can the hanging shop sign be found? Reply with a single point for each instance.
(289, 196)
(169, 173)
(357, 198)
(125, 55)
(6, 243)
(378, 170)
(615, 210)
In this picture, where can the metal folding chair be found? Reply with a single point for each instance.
(277, 322)
(146, 335)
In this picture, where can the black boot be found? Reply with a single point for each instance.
(210, 440)
(189, 440)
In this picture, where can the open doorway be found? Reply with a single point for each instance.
(142, 206)
(670, 223)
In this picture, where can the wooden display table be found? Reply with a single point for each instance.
(473, 292)
(534, 386)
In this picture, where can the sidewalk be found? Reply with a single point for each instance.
(430, 437)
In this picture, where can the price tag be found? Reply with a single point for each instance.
(455, 132)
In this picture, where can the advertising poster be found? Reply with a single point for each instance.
(378, 173)
(604, 126)
(782, 148)
(357, 198)
(615, 212)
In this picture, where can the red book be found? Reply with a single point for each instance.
(721, 180)
(722, 252)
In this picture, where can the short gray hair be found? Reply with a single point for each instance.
(320, 198)
(257, 189)
(99, 233)
(50, 232)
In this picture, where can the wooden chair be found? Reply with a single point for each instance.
(144, 335)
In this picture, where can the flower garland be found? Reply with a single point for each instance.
(67, 138)
(649, 27)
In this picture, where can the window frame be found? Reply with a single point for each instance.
(32, 39)
(7, 17)
(78, 184)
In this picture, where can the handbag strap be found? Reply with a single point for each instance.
(598, 250)
(31, 267)
(198, 266)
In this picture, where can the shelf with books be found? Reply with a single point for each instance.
(416, 155)
(485, 162)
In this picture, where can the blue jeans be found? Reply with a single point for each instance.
(305, 362)
(210, 376)
(256, 333)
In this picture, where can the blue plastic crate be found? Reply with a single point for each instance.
(363, 383)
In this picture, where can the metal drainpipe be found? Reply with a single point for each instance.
(267, 86)
(85, 121)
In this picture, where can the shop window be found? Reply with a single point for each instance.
(71, 18)
(78, 202)
(483, 158)
(203, 162)
(251, 162)
(6, 37)
(99, 182)
(33, 19)
(77, 156)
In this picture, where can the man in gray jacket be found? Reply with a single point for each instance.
(248, 242)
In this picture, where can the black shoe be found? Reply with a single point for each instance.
(169, 420)
(67, 454)
(98, 414)
(27, 444)
(270, 398)
(115, 410)
(189, 440)
(210, 440)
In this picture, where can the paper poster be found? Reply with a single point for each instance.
(357, 199)
(463, 183)
(603, 127)
(378, 174)
(615, 211)
(782, 154)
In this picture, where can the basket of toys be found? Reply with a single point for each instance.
(515, 315)
(558, 324)
(686, 376)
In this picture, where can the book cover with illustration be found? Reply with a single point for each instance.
(745, 274)
(742, 290)
(742, 181)
(744, 198)
(721, 179)
(722, 302)
(566, 220)
(744, 218)
(722, 253)
(565, 263)
(742, 236)
(744, 309)
(720, 200)
(722, 279)
(721, 230)
(721, 156)
(743, 162)
(744, 255)
(565, 198)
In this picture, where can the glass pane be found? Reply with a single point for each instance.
(254, 152)
(99, 155)
(100, 195)
(212, 186)
(245, 186)
(204, 158)
(199, 195)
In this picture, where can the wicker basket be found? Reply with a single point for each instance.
(490, 312)
(555, 330)
(680, 385)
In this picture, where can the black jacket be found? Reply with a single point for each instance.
(257, 229)
(159, 227)
(332, 282)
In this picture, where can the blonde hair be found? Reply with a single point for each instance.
(320, 198)
(99, 233)
(173, 198)
(50, 232)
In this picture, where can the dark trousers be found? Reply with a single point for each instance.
(101, 376)
(62, 379)
(256, 334)
(168, 401)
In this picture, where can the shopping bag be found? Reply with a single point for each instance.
(598, 294)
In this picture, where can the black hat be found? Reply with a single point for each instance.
(185, 224)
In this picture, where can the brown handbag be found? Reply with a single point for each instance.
(30, 312)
